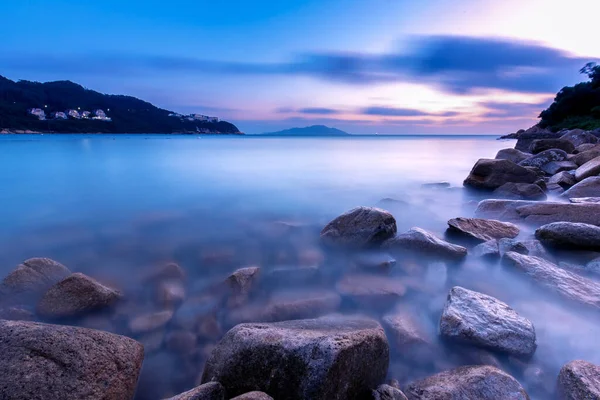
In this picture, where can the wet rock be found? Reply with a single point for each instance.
(75, 296)
(421, 242)
(374, 261)
(513, 155)
(584, 147)
(387, 392)
(535, 132)
(408, 337)
(590, 168)
(589, 187)
(563, 179)
(587, 155)
(527, 247)
(579, 380)
(520, 191)
(554, 167)
(549, 276)
(208, 391)
(150, 322)
(539, 145)
(166, 272)
(62, 362)
(170, 294)
(491, 174)
(16, 314)
(543, 158)
(253, 396)
(329, 358)
(487, 249)
(467, 383)
(31, 278)
(482, 229)
(578, 137)
(360, 227)
(474, 318)
(570, 235)
(241, 283)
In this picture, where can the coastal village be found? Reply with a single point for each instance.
(98, 114)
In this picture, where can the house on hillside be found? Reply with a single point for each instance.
(85, 114)
(101, 115)
(73, 114)
(38, 112)
(60, 115)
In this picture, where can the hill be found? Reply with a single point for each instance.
(124, 114)
(314, 130)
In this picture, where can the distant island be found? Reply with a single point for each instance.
(314, 130)
(66, 107)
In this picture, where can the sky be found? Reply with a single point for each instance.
(364, 66)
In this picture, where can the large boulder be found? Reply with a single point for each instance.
(513, 155)
(535, 132)
(62, 362)
(208, 391)
(328, 358)
(554, 167)
(563, 179)
(419, 241)
(477, 319)
(586, 155)
(578, 137)
(589, 187)
(570, 235)
(579, 380)
(75, 296)
(482, 229)
(538, 213)
(567, 284)
(590, 168)
(387, 392)
(539, 145)
(491, 174)
(31, 278)
(467, 383)
(543, 158)
(360, 227)
(520, 191)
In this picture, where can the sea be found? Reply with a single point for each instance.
(115, 206)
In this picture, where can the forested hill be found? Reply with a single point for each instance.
(125, 114)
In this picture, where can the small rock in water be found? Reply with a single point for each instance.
(253, 396)
(387, 392)
(520, 191)
(570, 235)
(487, 249)
(590, 168)
(513, 155)
(421, 242)
(477, 319)
(150, 322)
(208, 391)
(374, 262)
(527, 247)
(579, 380)
(167, 272)
(491, 174)
(360, 227)
(589, 187)
(241, 283)
(483, 229)
(170, 294)
(467, 383)
(372, 291)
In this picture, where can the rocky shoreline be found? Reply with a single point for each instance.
(305, 331)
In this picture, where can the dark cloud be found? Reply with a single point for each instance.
(319, 111)
(513, 110)
(404, 112)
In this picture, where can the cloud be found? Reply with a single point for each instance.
(513, 110)
(319, 111)
(404, 112)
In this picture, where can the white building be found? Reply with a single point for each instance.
(38, 112)
(60, 115)
(73, 114)
(205, 118)
(101, 115)
(85, 114)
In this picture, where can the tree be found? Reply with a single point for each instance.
(592, 70)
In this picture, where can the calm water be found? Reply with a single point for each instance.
(111, 206)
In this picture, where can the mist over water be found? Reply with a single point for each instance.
(114, 207)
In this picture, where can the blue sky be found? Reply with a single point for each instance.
(386, 66)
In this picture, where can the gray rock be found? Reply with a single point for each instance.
(589, 187)
(587, 155)
(208, 391)
(539, 145)
(543, 158)
(584, 147)
(579, 380)
(554, 167)
(477, 319)
(491, 174)
(513, 155)
(563, 179)
(579, 137)
(31, 278)
(253, 396)
(387, 392)
(535, 132)
(66, 363)
(419, 241)
(467, 383)
(567, 284)
(240, 284)
(570, 235)
(482, 229)
(590, 168)
(528, 247)
(150, 322)
(328, 358)
(75, 296)
(520, 191)
(166, 272)
(371, 291)
(487, 249)
(360, 227)
(374, 261)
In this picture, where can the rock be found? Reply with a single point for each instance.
(535, 132)
(150, 322)
(75, 296)
(579, 380)
(467, 383)
(253, 396)
(563, 179)
(208, 391)
(587, 155)
(584, 147)
(16, 314)
(421, 242)
(487, 249)
(543, 158)
(360, 227)
(527, 247)
(387, 392)
(328, 358)
(513, 155)
(241, 283)
(166, 272)
(32, 278)
(539, 145)
(578, 200)
(477, 319)
(554, 167)
(590, 168)
(408, 337)
(371, 291)
(374, 261)
(520, 191)
(491, 174)
(49, 362)
(482, 229)
(578, 137)
(570, 235)
(549, 276)
(170, 294)
(589, 187)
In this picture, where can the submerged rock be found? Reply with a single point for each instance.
(539, 145)
(477, 319)
(32, 278)
(371, 290)
(241, 283)
(150, 322)
(528, 247)
(491, 174)
(589, 187)
(483, 229)
(419, 241)
(408, 337)
(513, 155)
(579, 380)
(543, 158)
(327, 358)
(570, 235)
(387, 392)
(360, 227)
(520, 191)
(487, 249)
(62, 362)
(467, 383)
(208, 391)
(590, 168)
